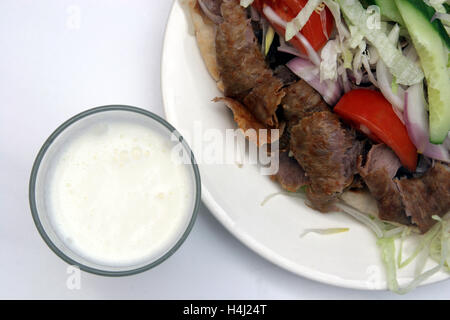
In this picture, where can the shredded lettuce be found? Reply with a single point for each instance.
(435, 244)
(347, 56)
(441, 244)
(297, 24)
(387, 247)
(336, 12)
(394, 85)
(371, 223)
(405, 234)
(394, 232)
(403, 69)
(329, 64)
(356, 37)
(394, 34)
(437, 5)
(425, 242)
(444, 17)
(328, 231)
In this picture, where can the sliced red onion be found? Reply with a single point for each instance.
(400, 115)
(384, 79)
(345, 82)
(331, 91)
(312, 54)
(416, 119)
(214, 17)
(274, 18)
(285, 47)
(363, 78)
(291, 50)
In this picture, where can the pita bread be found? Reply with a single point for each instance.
(246, 121)
(205, 33)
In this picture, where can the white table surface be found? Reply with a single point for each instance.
(60, 57)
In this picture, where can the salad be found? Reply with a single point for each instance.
(360, 91)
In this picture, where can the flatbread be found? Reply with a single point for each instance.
(246, 121)
(362, 201)
(205, 33)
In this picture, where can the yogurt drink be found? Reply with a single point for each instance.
(115, 195)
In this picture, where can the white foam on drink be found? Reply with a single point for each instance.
(116, 197)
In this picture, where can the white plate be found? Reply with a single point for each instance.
(234, 195)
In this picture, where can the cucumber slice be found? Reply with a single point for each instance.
(432, 46)
(427, 12)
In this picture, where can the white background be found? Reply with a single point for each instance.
(58, 58)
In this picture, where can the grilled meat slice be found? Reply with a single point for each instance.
(301, 101)
(264, 100)
(212, 6)
(426, 196)
(285, 75)
(381, 167)
(291, 175)
(418, 198)
(243, 70)
(328, 153)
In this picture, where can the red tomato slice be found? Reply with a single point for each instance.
(369, 110)
(315, 31)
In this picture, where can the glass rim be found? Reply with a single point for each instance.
(45, 147)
